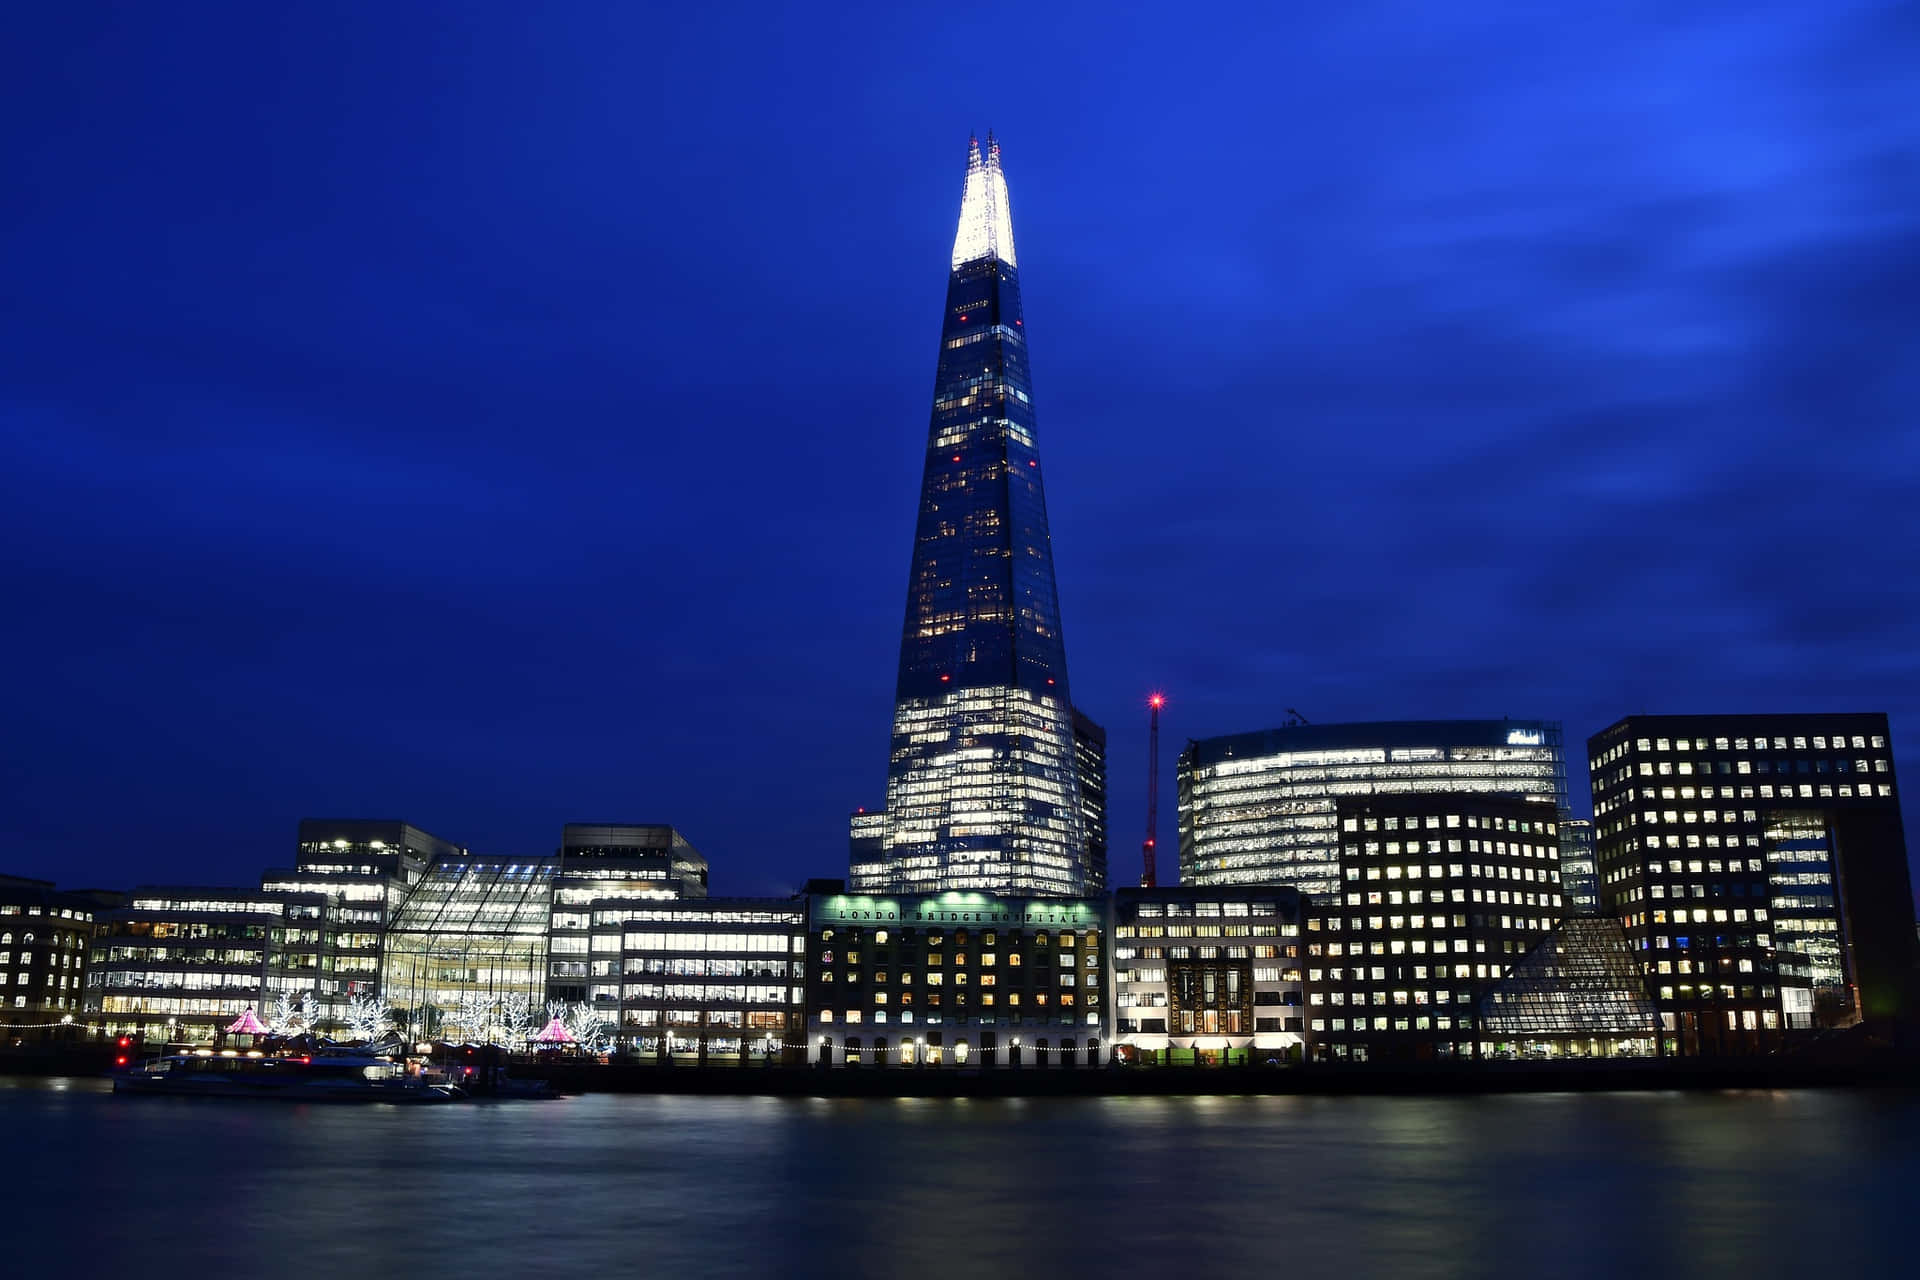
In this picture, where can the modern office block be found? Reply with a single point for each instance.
(1090, 759)
(472, 935)
(180, 964)
(600, 866)
(1208, 976)
(365, 868)
(866, 850)
(983, 792)
(705, 980)
(1260, 808)
(1440, 893)
(1579, 883)
(1758, 864)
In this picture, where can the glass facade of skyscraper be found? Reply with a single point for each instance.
(983, 791)
(1260, 808)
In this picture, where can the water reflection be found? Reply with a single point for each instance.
(1757, 1183)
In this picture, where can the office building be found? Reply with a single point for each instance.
(1441, 892)
(1207, 976)
(43, 955)
(471, 940)
(177, 965)
(1759, 866)
(1579, 884)
(364, 868)
(1259, 808)
(705, 981)
(1090, 759)
(602, 865)
(866, 850)
(983, 793)
(954, 980)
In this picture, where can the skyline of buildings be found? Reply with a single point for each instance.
(1356, 892)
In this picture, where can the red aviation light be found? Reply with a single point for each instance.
(944, 679)
(956, 457)
(1157, 701)
(120, 1061)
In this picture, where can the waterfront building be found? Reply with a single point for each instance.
(1578, 993)
(365, 868)
(602, 864)
(1759, 866)
(470, 939)
(1205, 976)
(954, 980)
(43, 954)
(1260, 808)
(180, 964)
(1579, 883)
(1441, 892)
(983, 792)
(709, 981)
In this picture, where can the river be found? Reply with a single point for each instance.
(1810, 1184)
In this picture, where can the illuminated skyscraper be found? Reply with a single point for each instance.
(983, 791)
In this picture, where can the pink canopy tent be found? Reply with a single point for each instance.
(554, 1033)
(246, 1025)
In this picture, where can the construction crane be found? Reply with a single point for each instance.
(1154, 703)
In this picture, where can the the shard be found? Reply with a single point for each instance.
(983, 791)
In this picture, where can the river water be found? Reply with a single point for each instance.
(1808, 1184)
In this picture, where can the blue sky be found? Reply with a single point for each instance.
(495, 416)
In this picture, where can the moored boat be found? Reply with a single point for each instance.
(335, 1075)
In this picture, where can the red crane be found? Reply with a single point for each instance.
(1154, 703)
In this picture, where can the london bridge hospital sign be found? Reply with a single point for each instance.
(941, 911)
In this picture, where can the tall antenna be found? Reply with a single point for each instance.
(1154, 703)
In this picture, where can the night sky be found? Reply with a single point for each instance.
(497, 415)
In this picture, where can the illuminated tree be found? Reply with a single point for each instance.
(517, 1017)
(368, 1017)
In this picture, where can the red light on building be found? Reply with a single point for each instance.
(120, 1061)
(944, 679)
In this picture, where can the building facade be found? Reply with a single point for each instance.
(706, 981)
(177, 965)
(1090, 759)
(602, 865)
(365, 869)
(1758, 864)
(955, 980)
(983, 792)
(1579, 882)
(44, 937)
(1206, 976)
(1441, 892)
(1261, 808)
(471, 940)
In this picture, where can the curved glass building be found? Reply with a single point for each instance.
(1261, 808)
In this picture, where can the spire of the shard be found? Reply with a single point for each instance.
(986, 218)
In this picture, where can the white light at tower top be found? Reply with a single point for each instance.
(986, 216)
